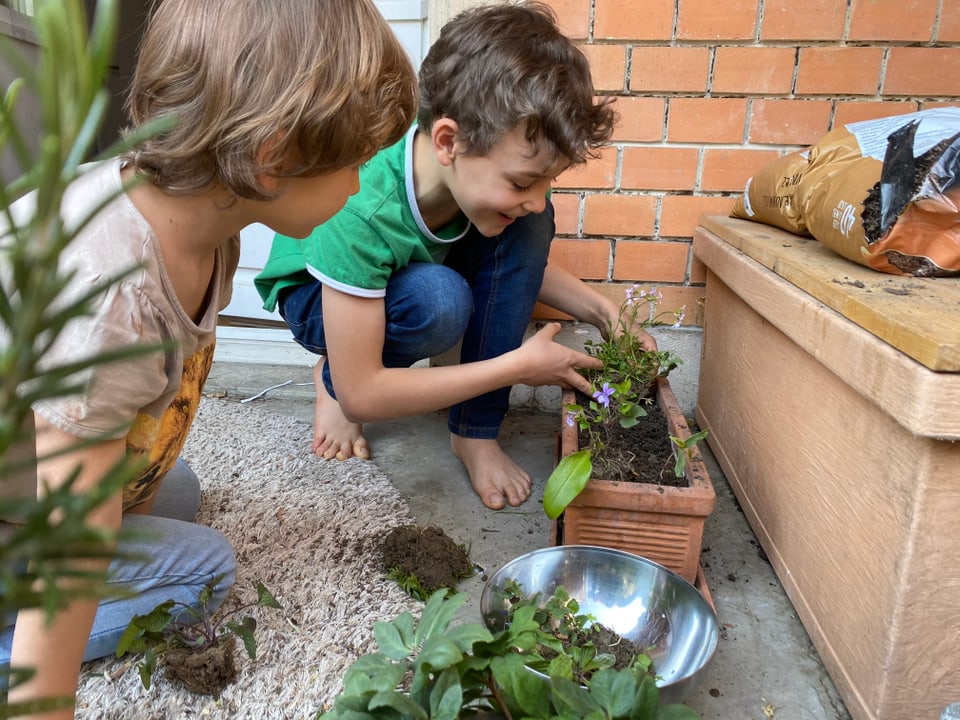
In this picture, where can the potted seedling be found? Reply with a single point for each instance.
(630, 475)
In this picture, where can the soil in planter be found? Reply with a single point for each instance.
(206, 671)
(642, 453)
(427, 554)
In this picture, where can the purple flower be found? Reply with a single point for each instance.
(679, 315)
(570, 422)
(604, 394)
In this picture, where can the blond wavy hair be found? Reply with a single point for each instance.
(252, 83)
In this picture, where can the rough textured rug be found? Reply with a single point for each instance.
(310, 531)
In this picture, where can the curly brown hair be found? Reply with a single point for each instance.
(501, 67)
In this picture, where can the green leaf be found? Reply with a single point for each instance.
(265, 598)
(567, 480)
(446, 698)
(680, 463)
(145, 675)
(404, 623)
(676, 711)
(151, 624)
(147, 667)
(466, 636)
(372, 673)
(573, 696)
(403, 705)
(438, 653)
(207, 591)
(529, 692)
(35, 707)
(244, 630)
(614, 690)
(646, 700)
(561, 666)
(437, 614)
(390, 639)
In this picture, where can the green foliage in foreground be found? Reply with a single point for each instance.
(67, 81)
(432, 670)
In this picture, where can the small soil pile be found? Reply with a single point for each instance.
(427, 554)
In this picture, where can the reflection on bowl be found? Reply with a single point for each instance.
(635, 597)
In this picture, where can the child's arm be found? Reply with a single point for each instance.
(366, 390)
(55, 651)
(565, 292)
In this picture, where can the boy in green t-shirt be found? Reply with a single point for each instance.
(448, 240)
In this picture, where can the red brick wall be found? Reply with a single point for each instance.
(708, 93)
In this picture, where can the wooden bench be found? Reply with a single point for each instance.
(832, 397)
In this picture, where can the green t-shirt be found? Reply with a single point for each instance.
(379, 231)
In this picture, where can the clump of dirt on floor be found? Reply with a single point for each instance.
(424, 559)
(206, 672)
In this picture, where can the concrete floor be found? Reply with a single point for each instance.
(765, 666)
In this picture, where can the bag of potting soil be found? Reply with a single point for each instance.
(884, 193)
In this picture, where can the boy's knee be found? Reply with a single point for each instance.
(433, 303)
(228, 577)
(220, 564)
(450, 313)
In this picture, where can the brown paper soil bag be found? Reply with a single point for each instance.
(884, 193)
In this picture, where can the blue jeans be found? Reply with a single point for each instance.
(178, 558)
(483, 294)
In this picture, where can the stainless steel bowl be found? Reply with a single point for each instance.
(635, 597)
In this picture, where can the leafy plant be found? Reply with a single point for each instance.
(622, 389)
(67, 81)
(431, 670)
(624, 357)
(173, 625)
(682, 448)
(571, 644)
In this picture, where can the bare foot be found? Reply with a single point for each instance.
(494, 476)
(333, 435)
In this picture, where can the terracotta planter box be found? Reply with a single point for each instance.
(832, 397)
(660, 523)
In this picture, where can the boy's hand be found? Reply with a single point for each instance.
(549, 363)
(626, 323)
(647, 341)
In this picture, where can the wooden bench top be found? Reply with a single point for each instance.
(918, 316)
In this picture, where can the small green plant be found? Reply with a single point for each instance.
(172, 626)
(682, 448)
(624, 357)
(431, 670)
(408, 582)
(572, 644)
(621, 391)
